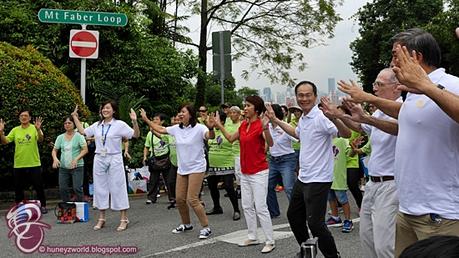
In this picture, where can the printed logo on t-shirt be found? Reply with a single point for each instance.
(335, 151)
(25, 140)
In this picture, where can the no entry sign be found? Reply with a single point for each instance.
(84, 44)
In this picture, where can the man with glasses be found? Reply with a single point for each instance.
(202, 115)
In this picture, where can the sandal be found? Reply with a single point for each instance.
(121, 228)
(100, 224)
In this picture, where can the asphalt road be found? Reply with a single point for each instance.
(150, 233)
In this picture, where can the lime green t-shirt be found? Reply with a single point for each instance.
(26, 146)
(161, 146)
(172, 150)
(70, 149)
(353, 161)
(339, 168)
(220, 152)
(294, 123)
(232, 128)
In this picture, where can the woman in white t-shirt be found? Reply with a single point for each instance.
(189, 139)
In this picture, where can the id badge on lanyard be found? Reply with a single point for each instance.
(103, 152)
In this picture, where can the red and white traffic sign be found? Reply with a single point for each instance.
(84, 44)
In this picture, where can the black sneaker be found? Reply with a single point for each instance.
(236, 215)
(215, 211)
(182, 228)
(43, 210)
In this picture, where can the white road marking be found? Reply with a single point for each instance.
(239, 236)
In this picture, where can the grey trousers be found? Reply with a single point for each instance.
(71, 179)
(377, 219)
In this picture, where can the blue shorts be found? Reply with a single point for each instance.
(341, 195)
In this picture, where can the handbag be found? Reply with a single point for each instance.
(65, 212)
(158, 163)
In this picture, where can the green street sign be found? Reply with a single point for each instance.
(82, 17)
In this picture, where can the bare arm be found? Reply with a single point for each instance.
(135, 125)
(84, 151)
(343, 131)
(157, 128)
(387, 126)
(77, 122)
(357, 95)
(3, 139)
(285, 126)
(230, 137)
(145, 154)
(37, 124)
(56, 162)
(266, 133)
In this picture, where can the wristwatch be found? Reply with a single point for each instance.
(441, 87)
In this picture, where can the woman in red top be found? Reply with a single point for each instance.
(253, 134)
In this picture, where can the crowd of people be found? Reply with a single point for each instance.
(313, 150)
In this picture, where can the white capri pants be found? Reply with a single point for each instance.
(110, 183)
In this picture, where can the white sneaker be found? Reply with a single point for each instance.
(249, 242)
(182, 228)
(204, 233)
(268, 248)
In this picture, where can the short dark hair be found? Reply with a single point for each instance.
(314, 87)
(433, 247)
(257, 102)
(70, 118)
(192, 110)
(278, 111)
(422, 42)
(22, 110)
(162, 116)
(222, 116)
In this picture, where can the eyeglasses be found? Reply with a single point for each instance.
(202, 110)
(381, 84)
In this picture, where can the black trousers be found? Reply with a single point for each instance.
(307, 209)
(353, 180)
(228, 181)
(23, 177)
(170, 178)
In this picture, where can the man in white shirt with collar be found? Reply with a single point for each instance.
(308, 203)
(427, 149)
(380, 202)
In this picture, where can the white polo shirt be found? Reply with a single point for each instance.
(427, 154)
(112, 132)
(382, 156)
(316, 132)
(189, 143)
(282, 142)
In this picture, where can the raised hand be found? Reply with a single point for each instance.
(356, 143)
(357, 112)
(270, 112)
(2, 125)
(329, 109)
(355, 91)
(133, 115)
(143, 114)
(75, 112)
(211, 120)
(409, 72)
(265, 119)
(38, 122)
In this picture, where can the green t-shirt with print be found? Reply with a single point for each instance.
(353, 161)
(294, 123)
(26, 153)
(339, 168)
(70, 149)
(172, 150)
(161, 146)
(220, 152)
(231, 128)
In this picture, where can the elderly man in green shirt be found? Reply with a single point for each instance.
(27, 165)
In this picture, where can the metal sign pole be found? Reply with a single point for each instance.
(83, 74)
(222, 67)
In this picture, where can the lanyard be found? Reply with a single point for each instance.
(104, 137)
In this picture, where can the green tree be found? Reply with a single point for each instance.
(379, 21)
(29, 80)
(268, 33)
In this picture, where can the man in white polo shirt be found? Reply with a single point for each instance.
(380, 202)
(308, 202)
(427, 149)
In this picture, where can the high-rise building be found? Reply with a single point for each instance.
(267, 95)
(331, 85)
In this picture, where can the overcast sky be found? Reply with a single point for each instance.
(328, 61)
